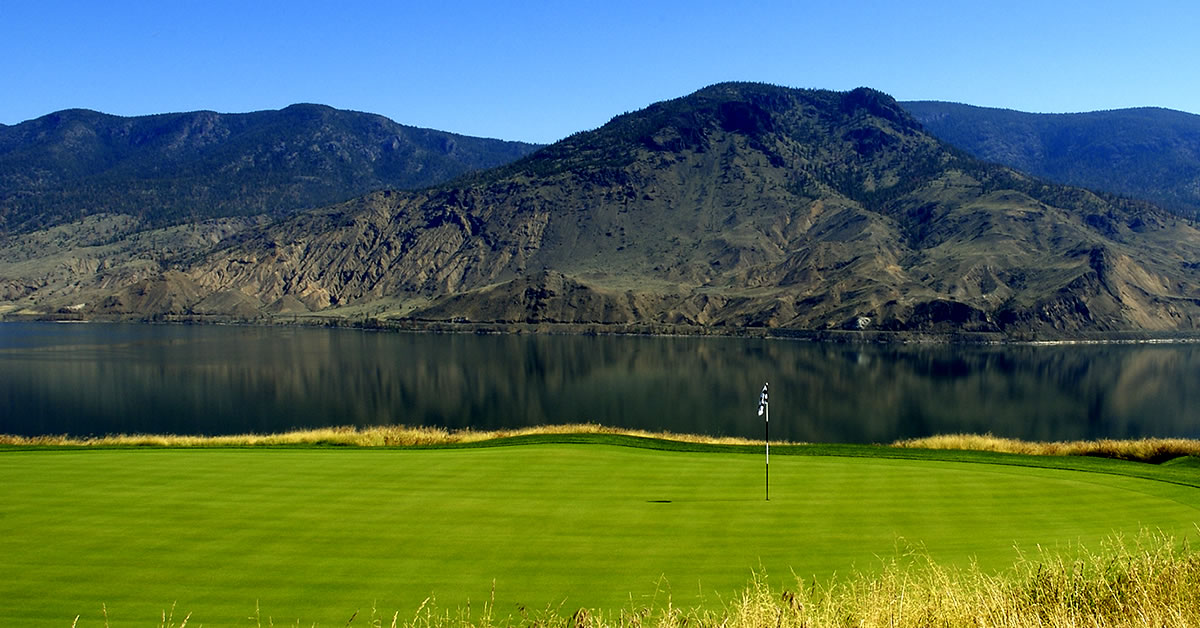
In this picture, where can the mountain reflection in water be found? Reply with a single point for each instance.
(102, 378)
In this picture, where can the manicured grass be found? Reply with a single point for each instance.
(314, 534)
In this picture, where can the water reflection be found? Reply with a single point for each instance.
(94, 379)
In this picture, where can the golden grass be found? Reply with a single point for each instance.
(375, 436)
(1142, 450)
(1149, 581)
(1152, 450)
(1152, 580)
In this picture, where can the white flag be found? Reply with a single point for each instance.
(762, 401)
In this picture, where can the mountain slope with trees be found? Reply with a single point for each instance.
(1146, 153)
(185, 167)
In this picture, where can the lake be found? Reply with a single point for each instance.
(92, 379)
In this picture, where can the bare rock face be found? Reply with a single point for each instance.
(543, 297)
(287, 305)
(229, 302)
(171, 293)
(739, 206)
(11, 290)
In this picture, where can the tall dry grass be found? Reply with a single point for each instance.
(1150, 580)
(1143, 450)
(350, 436)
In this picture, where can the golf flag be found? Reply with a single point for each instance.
(764, 409)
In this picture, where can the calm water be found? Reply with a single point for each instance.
(98, 378)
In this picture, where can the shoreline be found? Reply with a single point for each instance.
(833, 336)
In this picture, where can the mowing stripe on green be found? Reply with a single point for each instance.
(315, 534)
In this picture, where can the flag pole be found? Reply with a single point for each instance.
(765, 408)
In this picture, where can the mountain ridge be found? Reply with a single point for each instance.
(182, 167)
(515, 230)
(739, 206)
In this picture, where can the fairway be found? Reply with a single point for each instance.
(316, 534)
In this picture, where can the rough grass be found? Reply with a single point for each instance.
(350, 436)
(1152, 450)
(1150, 580)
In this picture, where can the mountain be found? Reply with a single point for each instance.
(1147, 153)
(185, 167)
(739, 206)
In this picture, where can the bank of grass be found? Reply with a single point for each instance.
(351, 436)
(1151, 450)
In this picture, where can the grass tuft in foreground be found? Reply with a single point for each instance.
(1154, 450)
(1152, 580)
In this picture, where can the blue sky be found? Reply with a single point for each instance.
(539, 71)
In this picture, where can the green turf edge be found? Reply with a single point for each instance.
(1181, 472)
(1184, 471)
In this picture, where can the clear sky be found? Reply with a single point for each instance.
(538, 71)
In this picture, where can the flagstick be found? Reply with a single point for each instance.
(764, 407)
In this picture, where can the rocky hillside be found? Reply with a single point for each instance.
(741, 205)
(186, 167)
(1147, 153)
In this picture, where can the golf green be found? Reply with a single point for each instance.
(313, 535)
